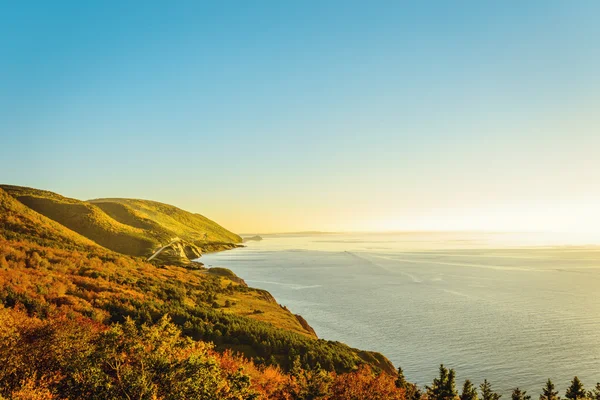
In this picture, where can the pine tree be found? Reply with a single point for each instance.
(576, 390)
(548, 392)
(443, 388)
(469, 392)
(518, 394)
(318, 383)
(309, 384)
(486, 391)
(595, 393)
(401, 382)
(412, 391)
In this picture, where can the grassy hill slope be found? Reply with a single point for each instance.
(127, 226)
(86, 219)
(47, 269)
(18, 221)
(166, 219)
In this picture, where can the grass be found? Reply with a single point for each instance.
(18, 220)
(45, 267)
(247, 303)
(16, 217)
(167, 219)
(129, 226)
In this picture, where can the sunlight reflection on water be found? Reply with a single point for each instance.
(492, 306)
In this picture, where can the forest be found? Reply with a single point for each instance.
(63, 356)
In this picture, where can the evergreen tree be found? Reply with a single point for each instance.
(548, 392)
(412, 391)
(486, 391)
(576, 390)
(518, 394)
(401, 380)
(595, 393)
(318, 383)
(469, 392)
(443, 388)
(309, 384)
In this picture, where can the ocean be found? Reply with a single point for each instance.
(515, 309)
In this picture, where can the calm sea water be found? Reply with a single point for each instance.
(515, 309)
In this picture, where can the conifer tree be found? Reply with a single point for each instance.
(443, 388)
(412, 391)
(576, 390)
(469, 392)
(595, 393)
(548, 392)
(415, 393)
(486, 391)
(518, 394)
(401, 382)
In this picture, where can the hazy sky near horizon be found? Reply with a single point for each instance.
(311, 115)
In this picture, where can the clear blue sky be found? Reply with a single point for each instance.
(332, 115)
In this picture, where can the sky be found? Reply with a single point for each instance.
(273, 116)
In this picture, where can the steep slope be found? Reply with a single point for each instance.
(46, 268)
(86, 219)
(23, 228)
(166, 219)
(132, 227)
(19, 222)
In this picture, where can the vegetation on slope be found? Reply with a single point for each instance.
(18, 221)
(82, 279)
(132, 227)
(88, 220)
(80, 321)
(108, 288)
(60, 357)
(166, 220)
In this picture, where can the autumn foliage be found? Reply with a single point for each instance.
(78, 321)
(63, 357)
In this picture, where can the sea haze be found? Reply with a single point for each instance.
(513, 308)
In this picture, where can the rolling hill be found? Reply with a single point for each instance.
(166, 220)
(17, 221)
(129, 226)
(47, 269)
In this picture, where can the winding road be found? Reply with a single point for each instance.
(157, 252)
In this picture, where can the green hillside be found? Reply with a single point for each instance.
(21, 224)
(18, 221)
(48, 270)
(132, 227)
(164, 219)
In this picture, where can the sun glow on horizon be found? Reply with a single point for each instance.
(567, 225)
(480, 116)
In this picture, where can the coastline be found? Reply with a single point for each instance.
(370, 357)
(398, 301)
(231, 275)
